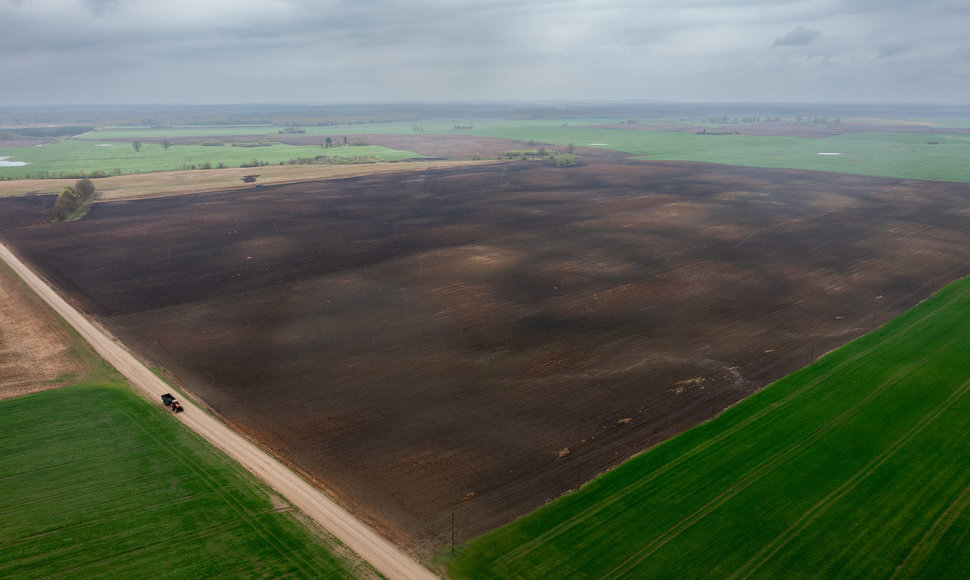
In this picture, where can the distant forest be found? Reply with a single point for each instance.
(42, 132)
(78, 119)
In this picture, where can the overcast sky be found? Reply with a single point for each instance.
(308, 51)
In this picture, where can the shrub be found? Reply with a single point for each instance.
(72, 199)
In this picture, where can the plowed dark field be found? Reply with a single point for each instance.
(478, 341)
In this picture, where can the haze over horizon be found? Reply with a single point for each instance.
(297, 51)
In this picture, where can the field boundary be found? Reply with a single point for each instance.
(379, 552)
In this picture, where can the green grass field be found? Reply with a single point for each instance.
(854, 467)
(119, 157)
(95, 482)
(880, 154)
(902, 155)
(883, 154)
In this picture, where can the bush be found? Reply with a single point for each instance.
(72, 200)
(84, 189)
(67, 202)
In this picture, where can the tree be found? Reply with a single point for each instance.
(72, 200)
(328, 142)
(137, 145)
(570, 149)
(166, 144)
(85, 189)
(67, 202)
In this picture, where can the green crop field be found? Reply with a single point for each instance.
(854, 467)
(882, 154)
(96, 483)
(73, 156)
(932, 156)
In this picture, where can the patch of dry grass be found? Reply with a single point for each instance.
(144, 185)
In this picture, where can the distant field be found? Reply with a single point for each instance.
(906, 155)
(881, 154)
(180, 132)
(872, 150)
(119, 157)
(335, 131)
(97, 483)
(852, 467)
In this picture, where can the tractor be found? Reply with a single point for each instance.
(172, 403)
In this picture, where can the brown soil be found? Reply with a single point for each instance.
(479, 340)
(35, 348)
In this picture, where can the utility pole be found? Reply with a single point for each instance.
(452, 533)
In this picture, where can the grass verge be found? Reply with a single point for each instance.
(853, 467)
(97, 482)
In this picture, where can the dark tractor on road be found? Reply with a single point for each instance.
(172, 403)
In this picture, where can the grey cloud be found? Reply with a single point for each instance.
(960, 9)
(799, 36)
(892, 49)
(430, 49)
(99, 7)
(962, 53)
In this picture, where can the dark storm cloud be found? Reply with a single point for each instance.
(336, 50)
(892, 49)
(99, 7)
(797, 37)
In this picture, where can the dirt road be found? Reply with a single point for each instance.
(379, 552)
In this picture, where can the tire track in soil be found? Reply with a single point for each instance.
(621, 494)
